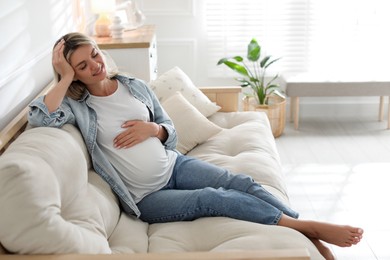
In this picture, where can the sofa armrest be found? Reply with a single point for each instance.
(282, 254)
(11, 131)
(225, 97)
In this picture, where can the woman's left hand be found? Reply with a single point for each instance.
(135, 132)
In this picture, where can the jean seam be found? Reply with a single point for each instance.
(277, 218)
(178, 217)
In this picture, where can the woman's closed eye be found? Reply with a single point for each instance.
(95, 54)
(83, 66)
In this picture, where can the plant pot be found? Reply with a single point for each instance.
(275, 110)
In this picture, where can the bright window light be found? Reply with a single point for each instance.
(346, 37)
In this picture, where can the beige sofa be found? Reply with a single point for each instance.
(52, 202)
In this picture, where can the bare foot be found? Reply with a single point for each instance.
(340, 235)
(324, 250)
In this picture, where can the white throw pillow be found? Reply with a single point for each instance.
(175, 80)
(192, 127)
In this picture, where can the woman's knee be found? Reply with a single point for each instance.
(215, 198)
(242, 182)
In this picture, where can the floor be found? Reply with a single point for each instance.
(337, 169)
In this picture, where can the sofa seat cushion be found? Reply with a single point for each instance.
(245, 145)
(47, 204)
(129, 236)
(224, 234)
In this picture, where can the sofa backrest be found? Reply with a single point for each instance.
(50, 199)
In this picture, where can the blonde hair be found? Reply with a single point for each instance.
(73, 41)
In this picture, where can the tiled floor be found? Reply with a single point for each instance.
(338, 169)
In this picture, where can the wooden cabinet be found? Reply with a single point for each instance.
(225, 97)
(135, 53)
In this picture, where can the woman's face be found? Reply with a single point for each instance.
(88, 65)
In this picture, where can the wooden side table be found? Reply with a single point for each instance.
(226, 97)
(135, 53)
(309, 86)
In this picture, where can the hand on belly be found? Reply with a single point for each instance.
(136, 131)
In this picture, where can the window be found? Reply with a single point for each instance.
(334, 37)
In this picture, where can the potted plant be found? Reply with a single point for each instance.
(266, 94)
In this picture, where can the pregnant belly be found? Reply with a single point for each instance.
(142, 163)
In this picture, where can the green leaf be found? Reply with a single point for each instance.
(264, 61)
(236, 67)
(238, 58)
(244, 82)
(271, 87)
(272, 80)
(255, 80)
(266, 66)
(221, 61)
(254, 50)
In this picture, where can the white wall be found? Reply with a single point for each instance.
(28, 30)
(181, 42)
(181, 37)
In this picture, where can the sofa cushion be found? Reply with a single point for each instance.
(130, 236)
(224, 234)
(192, 127)
(46, 202)
(245, 145)
(100, 190)
(175, 80)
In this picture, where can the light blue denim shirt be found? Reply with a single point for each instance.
(80, 114)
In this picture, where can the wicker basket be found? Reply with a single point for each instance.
(275, 110)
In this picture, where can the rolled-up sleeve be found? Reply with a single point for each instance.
(163, 119)
(39, 114)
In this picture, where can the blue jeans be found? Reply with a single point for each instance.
(199, 189)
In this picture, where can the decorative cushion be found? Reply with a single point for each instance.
(46, 202)
(175, 80)
(192, 127)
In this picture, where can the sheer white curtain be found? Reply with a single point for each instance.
(328, 37)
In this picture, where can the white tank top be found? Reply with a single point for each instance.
(145, 167)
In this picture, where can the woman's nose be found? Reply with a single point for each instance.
(94, 65)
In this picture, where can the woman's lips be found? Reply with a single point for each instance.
(100, 70)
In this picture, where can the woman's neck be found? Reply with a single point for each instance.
(103, 88)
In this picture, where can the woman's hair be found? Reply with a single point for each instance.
(73, 41)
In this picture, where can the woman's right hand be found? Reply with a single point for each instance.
(60, 64)
(54, 97)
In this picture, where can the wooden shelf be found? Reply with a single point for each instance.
(139, 38)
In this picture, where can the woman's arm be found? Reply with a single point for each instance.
(54, 98)
(45, 111)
